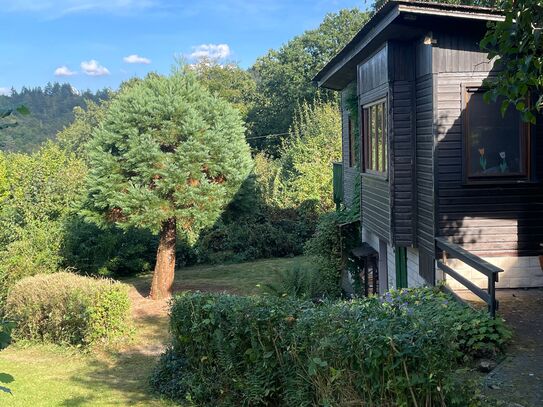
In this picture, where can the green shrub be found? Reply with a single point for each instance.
(278, 234)
(69, 309)
(35, 251)
(476, 334)
(300, 281)
(399, 350)
(5, 333)
(107, 251)
(37, 193)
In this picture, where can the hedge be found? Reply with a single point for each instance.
(69, 309)
(398, 350)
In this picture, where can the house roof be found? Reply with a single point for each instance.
(397, 19)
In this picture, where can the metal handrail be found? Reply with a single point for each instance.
(479, 264)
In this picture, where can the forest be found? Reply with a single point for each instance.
(52, 109)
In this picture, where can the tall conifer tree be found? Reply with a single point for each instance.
(168, 157)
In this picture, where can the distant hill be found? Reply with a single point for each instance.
(51, 109)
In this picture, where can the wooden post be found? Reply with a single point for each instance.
(492, 292)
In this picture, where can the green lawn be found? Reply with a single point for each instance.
(51, 376)
(240, 278)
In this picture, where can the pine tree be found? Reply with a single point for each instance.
(168, 157)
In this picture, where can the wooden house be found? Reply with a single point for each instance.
(440, 170)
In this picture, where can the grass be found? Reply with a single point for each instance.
(239, 278)
(47, 375)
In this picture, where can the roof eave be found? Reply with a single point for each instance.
(382, 19)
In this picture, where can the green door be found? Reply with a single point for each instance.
(401, 267)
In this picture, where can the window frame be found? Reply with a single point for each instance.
(525, 147)
(367, 142)
(352, 147)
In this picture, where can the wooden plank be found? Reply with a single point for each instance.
(470, 259)
(465, 282)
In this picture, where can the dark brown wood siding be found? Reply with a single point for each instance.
(499, 220)
(401, 131)
(425, 163)
(376, 206)
(455, 53)
(375, 195)
(373, 72)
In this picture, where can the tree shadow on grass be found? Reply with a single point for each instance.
(123, 374)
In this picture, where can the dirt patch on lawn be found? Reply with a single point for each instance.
(151, 316)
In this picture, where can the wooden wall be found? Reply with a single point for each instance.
(424, 95)
(402, 136)
(375, 196)
(501, 219)
(373, 72)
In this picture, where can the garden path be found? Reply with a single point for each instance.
(518, 379)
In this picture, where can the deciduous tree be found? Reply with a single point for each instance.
(517, 45)
(284, 75)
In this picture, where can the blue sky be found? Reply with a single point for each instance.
(99, 43)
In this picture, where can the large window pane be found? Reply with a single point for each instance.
(372, 136)
(375, 137)
(385, 140)
(379, 136)
(495, 143)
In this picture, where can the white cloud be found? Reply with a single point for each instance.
(5, 92)
(136, 59)
(93, 68)
(64, 71)
(63, 7)
(210, 51)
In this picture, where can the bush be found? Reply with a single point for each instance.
(300, 281)
(398, 350)
(477, 335)
(107, 251)
(36, 251)
(68, 309)
(37, 193)
(278, 233)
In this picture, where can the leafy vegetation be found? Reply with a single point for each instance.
(47, 375)
(51, 108)
(37, 194)
(396, 350)
(326, 253)
(276, 210)
(284, 76)
(300, 281)
(228, 81)
(77, 135)
(168, 157)
(517, 45)
(65, 308)
(107, 251)
(313, 145)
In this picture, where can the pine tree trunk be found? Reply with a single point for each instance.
(165, 262)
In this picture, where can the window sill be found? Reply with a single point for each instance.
(498, 182)
(380, 177)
